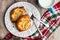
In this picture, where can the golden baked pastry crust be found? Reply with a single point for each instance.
(23, 23)
(16, 13)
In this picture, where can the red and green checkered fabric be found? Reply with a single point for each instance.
(52, 19)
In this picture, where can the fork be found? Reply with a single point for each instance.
(33, 17)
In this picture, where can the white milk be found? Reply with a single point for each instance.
(45, 3)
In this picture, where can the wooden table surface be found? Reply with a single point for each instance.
(4, 4)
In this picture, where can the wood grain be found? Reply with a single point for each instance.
(3, 6)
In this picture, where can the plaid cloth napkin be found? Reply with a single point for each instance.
(51, 19)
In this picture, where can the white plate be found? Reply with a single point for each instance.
(30, 9)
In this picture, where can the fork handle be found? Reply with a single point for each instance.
(38, 30)
(41, 22)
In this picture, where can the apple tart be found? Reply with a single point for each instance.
(23, 23)
(16, 13)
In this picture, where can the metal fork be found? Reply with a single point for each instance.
(33, 17)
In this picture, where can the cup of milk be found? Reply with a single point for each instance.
(47, 4)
